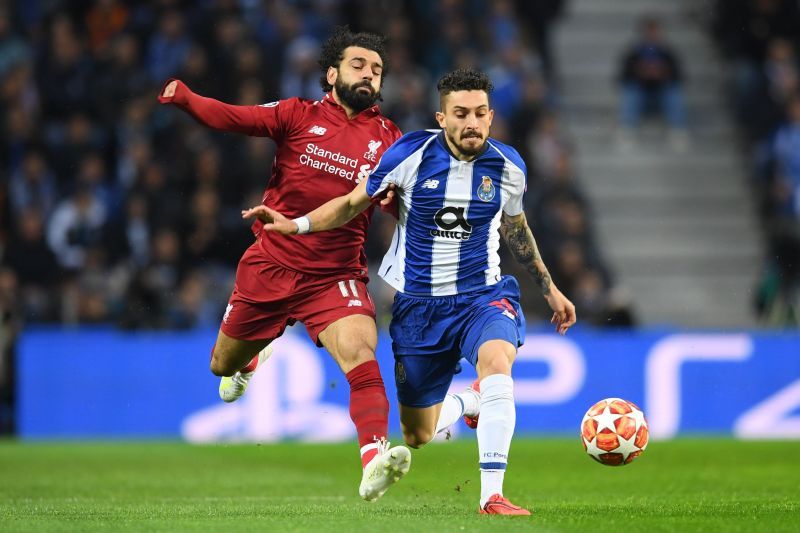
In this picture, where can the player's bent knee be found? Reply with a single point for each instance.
(498, 363)
(499, 366)
(417, 439)
(364, 354)
(220, 368)
(350, 360)
(216, 368)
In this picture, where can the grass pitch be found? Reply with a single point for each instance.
(683, 485)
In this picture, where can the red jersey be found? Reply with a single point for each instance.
(321, 155)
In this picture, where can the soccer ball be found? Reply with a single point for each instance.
(614, 432)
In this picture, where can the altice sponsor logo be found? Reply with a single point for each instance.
(449, 218)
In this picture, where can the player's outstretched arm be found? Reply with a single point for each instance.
(519, 238)
(330, 215)
(208, 111)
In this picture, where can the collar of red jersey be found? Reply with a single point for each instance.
(370, 111)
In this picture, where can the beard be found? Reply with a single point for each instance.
(354, 99)
(466, 149)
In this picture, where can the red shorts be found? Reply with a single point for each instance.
(268, 297)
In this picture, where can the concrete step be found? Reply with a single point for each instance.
(617, 34)
(652, 137)
(623, 9)
(696, 241)
(587, 66)
(683, 169)
(698, 116)
(585, 131)
(696, 306)
(689, 207)
(604, 92)
(599, 193)
(718, 302)
(734, 262)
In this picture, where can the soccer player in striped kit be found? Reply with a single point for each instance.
(459, 191)
(325, 148)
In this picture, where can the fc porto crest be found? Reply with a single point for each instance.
(486, 189)
(399, 373)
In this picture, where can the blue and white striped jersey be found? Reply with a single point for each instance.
(447, 236)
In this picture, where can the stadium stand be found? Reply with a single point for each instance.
(116, 210)
(759, 39)
(677, 225)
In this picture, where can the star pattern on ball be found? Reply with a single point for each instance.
(606, 419)
(638, 416)
(626, 446)
(592, 449)
(602, 428)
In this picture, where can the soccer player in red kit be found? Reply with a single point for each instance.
(324, 149)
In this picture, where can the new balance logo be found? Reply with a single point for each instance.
(317, 130)
(430, 184)
(354, 303)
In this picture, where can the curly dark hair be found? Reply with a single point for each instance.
(464, 79)
(333, 50)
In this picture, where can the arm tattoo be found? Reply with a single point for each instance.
(520, 241)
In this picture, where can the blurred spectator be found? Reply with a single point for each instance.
(548, 149)
(408, 111)
(104, 20)
(761, 102)
(787, 163)
(35, 264)
(300, 78)
(651, 79)
(169, 47)
(32, 185)
(13, 50)
(66, 74)
(10, 325)
(68, 143)
(516, 65)
(119, 77)
(76, 225)
(539, 16)
(152, 288)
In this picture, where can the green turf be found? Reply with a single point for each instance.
(684, 485)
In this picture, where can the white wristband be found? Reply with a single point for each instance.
(303, 225)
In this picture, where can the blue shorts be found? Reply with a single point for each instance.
(431, 334)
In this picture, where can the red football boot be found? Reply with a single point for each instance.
(496, 504)
(472, 421)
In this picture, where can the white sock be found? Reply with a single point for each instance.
(455, 406)
(495, 430)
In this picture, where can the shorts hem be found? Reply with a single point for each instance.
(421, 405)
(258, 336)
(314, 335)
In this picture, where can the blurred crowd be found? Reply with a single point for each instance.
(761, 39)
(114, 209)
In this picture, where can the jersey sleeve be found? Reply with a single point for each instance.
(268, 120)
(398, 163)
(276, 119)
(515, 180)
(517, 185)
